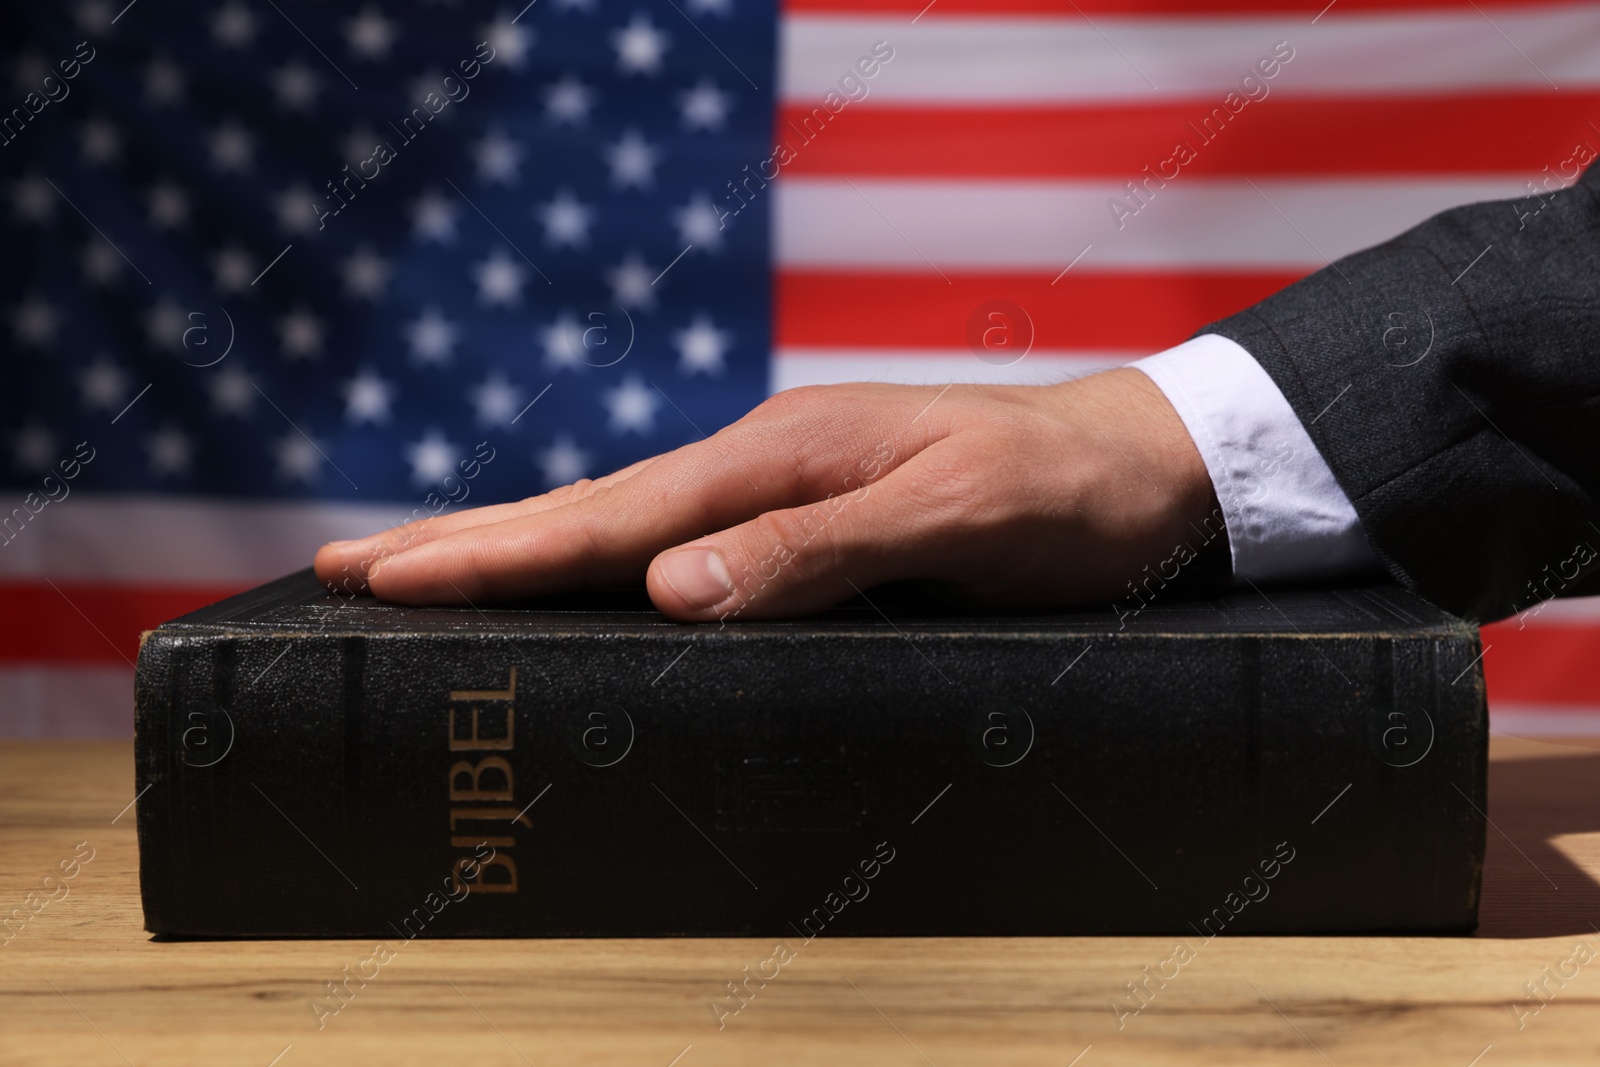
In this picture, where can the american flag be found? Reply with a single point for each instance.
(282, 272)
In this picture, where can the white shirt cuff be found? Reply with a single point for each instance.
(1286, 516)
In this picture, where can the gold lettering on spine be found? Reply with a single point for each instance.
(488, 778)
(477, 740)
(475, 772)
(508, 693)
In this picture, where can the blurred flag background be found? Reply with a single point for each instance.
(277, 273)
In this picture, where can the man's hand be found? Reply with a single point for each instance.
(1018, 496)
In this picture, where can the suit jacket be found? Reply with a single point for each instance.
(1451, 379)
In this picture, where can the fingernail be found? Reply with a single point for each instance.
(698, 576)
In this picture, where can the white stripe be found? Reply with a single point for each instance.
(76, 701)
(793, 367)
(1544, 720)
(156, 540)
(1066, 59)
(1566, 611)
(1192, 222)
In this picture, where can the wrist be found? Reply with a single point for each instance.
(1155, 506)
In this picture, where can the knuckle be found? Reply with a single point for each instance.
(584, 544)
(800, 402)
(563, 494)
(471, 573)
(791, 546)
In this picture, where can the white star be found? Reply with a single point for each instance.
(34, 448)
(296, 86)
(234, 26)
(705, 107)
(639, 46)
(231, 392)
(29, 69)
(367, 398)
(497, 401)
(568, 100)
(701, 346)
(169, 450)
(34, 322)
(432, 459)
(563, 462)
(566, 221)
(499, 158)
(298, 459)
(632, 407)
(370, 34)
(103, 385)
(232, 147)
(99, 141)
(233, 269)
(509, 41)
(33, 199)
(500, 280)
(169, 208)
(563, 343)
(432, 338)
(365, 274)
(163, 82)
(431, 82)
(718, 7)
(94, 16)
(632, 161)
(296, 208)
(101, 263)
(300, 334)
(166, 325)
(631, 283)
(699, 224)
(433, 218)
(359, 144)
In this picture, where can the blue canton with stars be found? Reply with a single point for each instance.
(310, 250)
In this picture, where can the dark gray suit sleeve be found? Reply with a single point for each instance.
(1451, 379)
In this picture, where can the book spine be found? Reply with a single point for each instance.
(499, 784)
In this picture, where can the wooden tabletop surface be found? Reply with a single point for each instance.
(82, 984)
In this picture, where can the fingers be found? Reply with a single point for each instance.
(345, 565)
(604, 536)
(801, 560)
(788, 453)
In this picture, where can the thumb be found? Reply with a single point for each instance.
(794, 561)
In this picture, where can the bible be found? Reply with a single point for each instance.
(1307, 760)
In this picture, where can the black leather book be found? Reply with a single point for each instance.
(1281, 761)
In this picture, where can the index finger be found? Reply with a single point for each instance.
(793, 452)
(344, 565)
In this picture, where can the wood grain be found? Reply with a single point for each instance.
(82, 984)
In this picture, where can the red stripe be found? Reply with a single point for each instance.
(1000, 8)
(76, 622)
(1542, 664)
(1138, 310)
(1455, 135)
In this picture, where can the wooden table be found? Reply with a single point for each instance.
(82, 984)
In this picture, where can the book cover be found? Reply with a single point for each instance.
(1286, 761)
